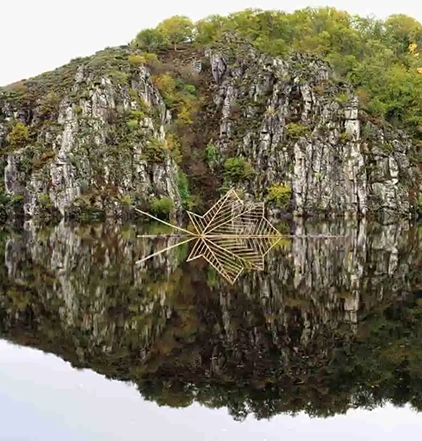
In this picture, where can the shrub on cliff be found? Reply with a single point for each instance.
(279, 195)
(18, 136)
(140, 59)
(296, 131)
(161, 208)
(237, 169)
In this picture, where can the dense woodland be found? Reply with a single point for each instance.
(380, 58)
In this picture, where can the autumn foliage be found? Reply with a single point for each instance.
(378, 57)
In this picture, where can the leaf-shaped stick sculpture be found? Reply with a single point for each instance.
(231, 236)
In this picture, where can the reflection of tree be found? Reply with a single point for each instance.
(382, 365)
(308, 337)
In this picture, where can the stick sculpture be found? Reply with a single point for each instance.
(231, 236)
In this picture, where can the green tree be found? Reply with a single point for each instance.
(402, 30)
(210, 29)
(149, 40)
(176, 30)
(238, 169)
(161, 207)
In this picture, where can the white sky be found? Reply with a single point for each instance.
(40, 35)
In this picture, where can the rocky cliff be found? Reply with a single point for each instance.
(121, 128)
(80, 139)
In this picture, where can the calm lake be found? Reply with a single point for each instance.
(326, 342)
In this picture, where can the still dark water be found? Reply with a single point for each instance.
(93, 347)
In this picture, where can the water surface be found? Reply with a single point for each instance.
(331, 329)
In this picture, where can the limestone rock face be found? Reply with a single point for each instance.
(281, 130)
(299, 129)
(93, 151)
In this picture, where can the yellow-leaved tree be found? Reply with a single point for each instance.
(176, 30)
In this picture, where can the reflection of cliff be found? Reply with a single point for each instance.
(87, 272)
(328, 326)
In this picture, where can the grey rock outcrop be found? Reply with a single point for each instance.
(93, 152)
(299, 129)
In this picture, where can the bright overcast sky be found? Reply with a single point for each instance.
(40, 35)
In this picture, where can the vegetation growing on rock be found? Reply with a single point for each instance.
(295, 131)
(199, 97)
(279, 195)
(162, 208)
(379, 57)
(237, 169)
(18, 136)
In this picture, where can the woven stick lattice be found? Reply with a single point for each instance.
(231, 236)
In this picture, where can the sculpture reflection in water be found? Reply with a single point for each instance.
(232, 236)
